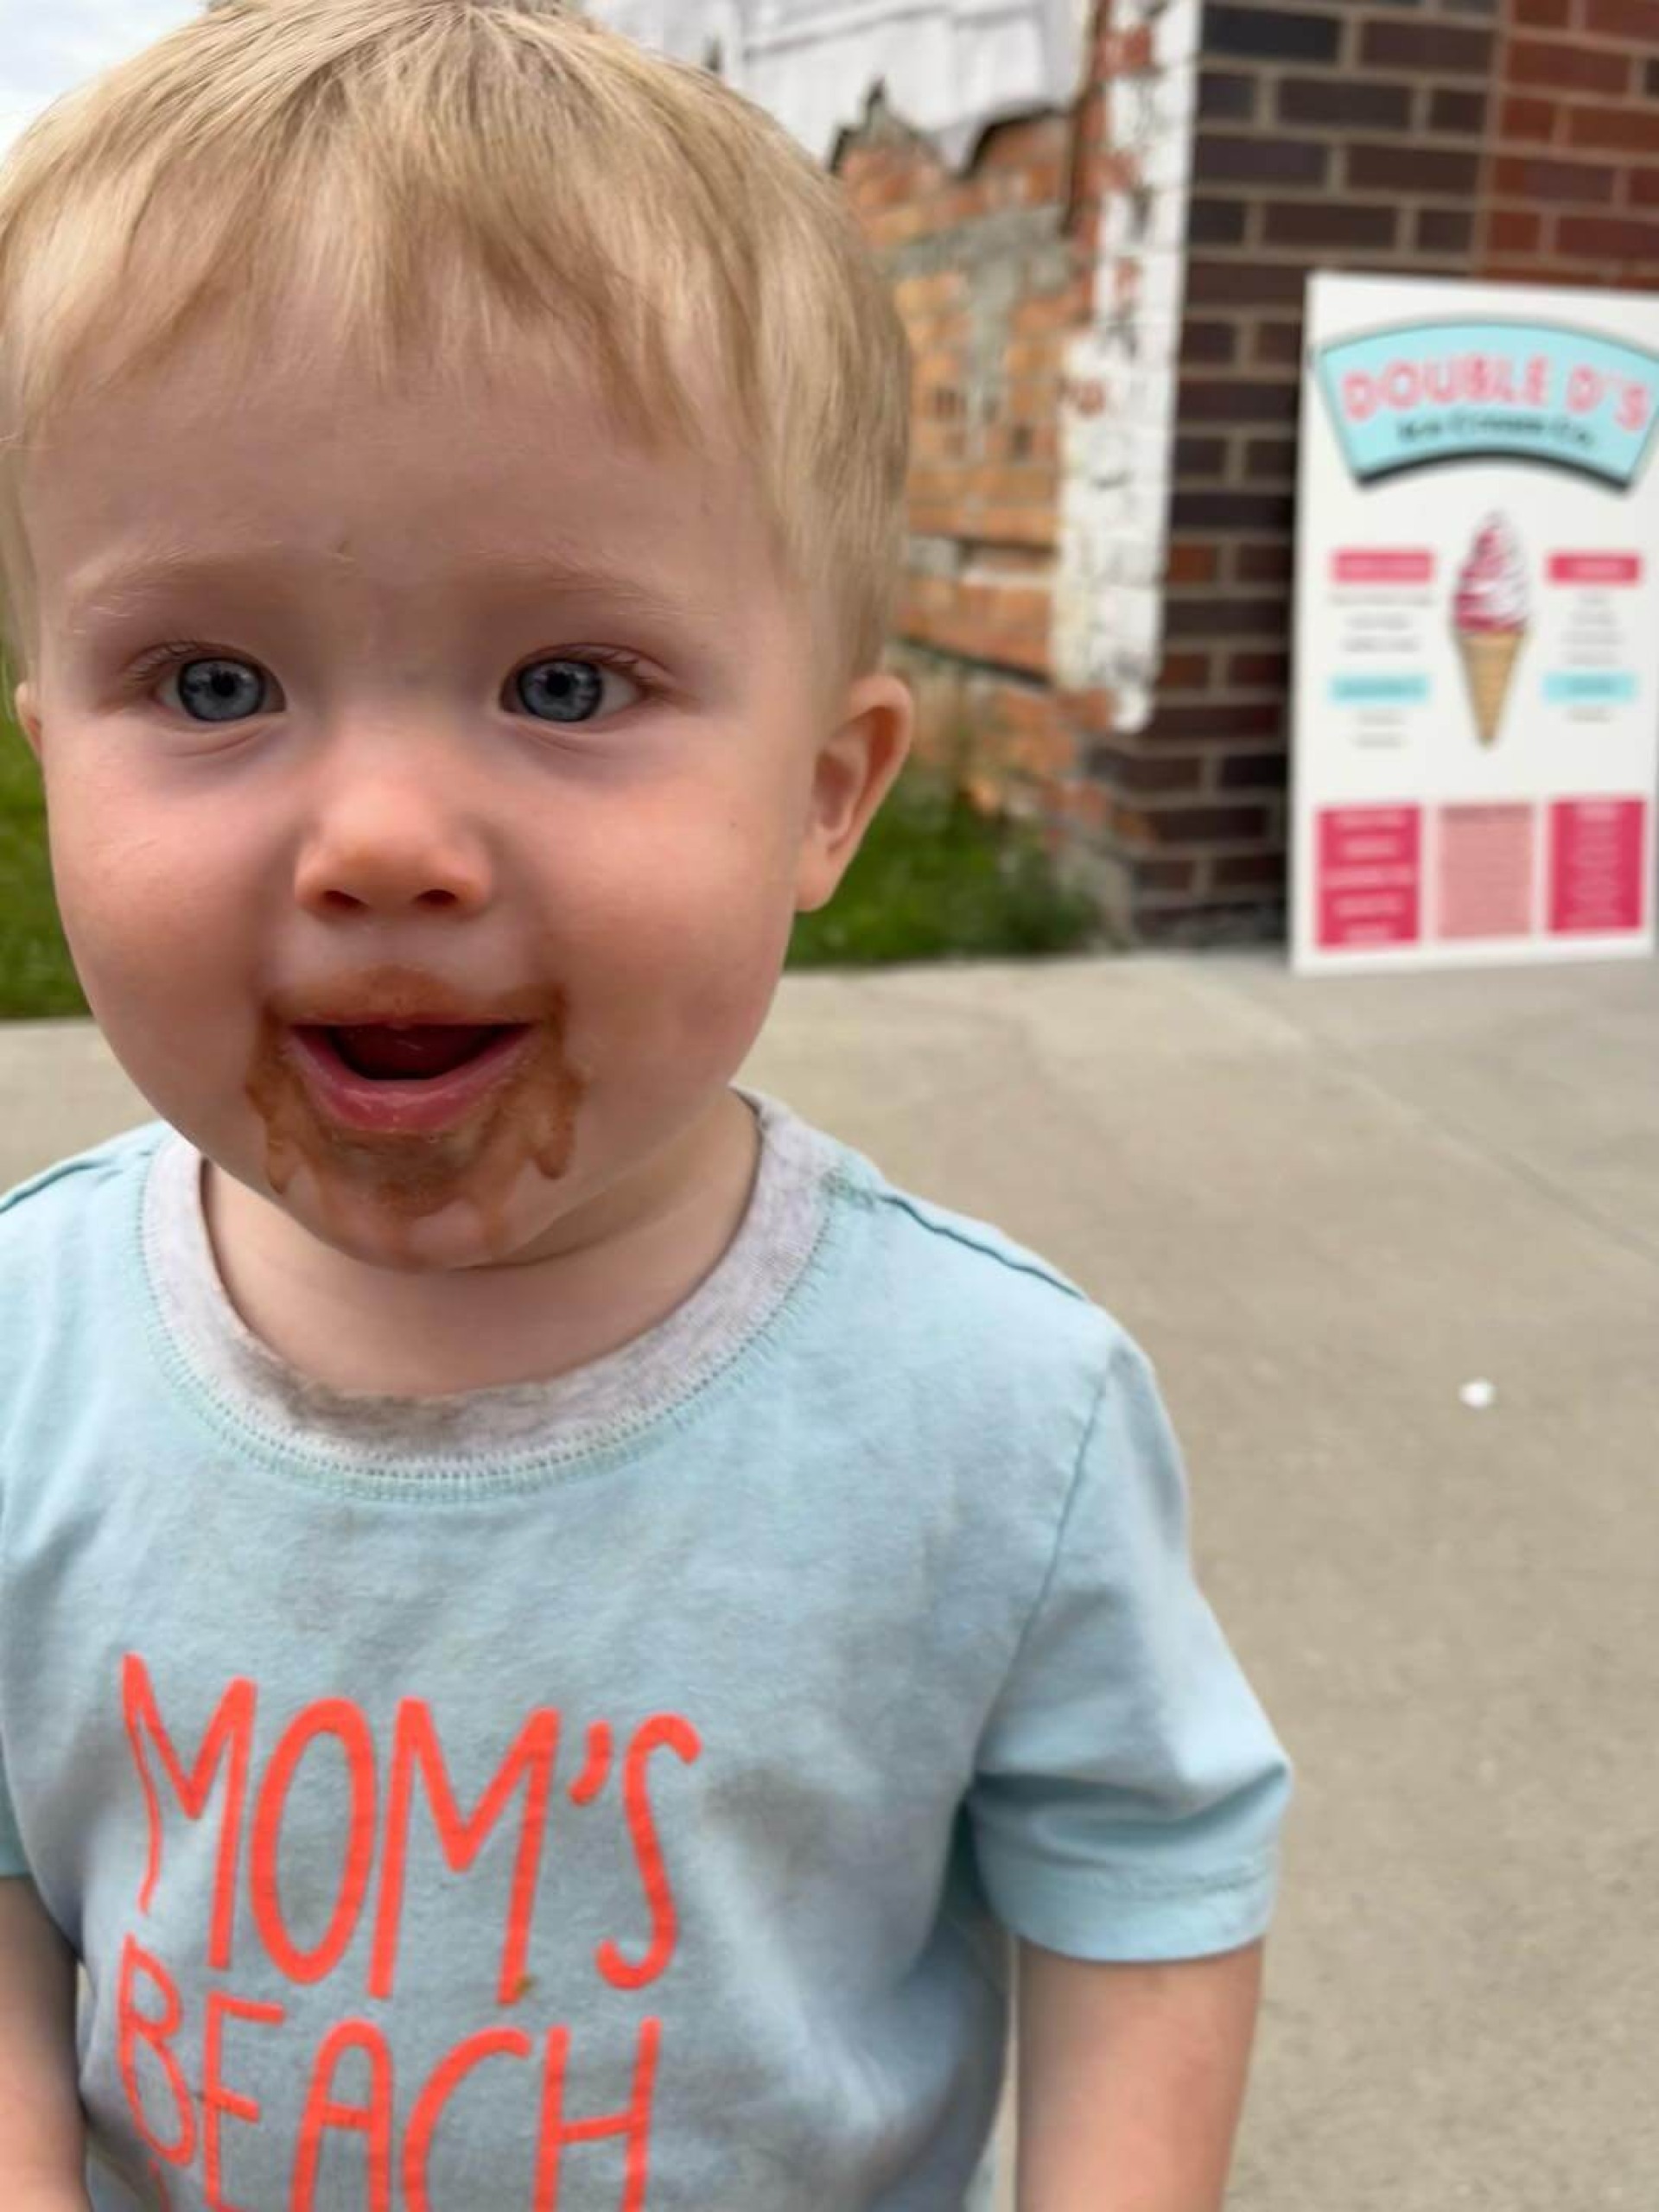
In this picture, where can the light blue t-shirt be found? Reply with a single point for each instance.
(616, 1793)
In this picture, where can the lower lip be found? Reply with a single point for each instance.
(413, 1109)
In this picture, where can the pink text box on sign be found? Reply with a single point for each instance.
(1383, 564)
(1596, 849)
(1485, 870)
(1369, 876)
(1595, 568)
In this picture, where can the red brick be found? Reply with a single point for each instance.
(1192, 564)
(1633, 131)
(1632, 19)
(1527, 177)
(1185, 672)
(1542, 15)
(1643, 187)
(1557, 63)
(1607, 238)
(1525, 119)
(1509, 231)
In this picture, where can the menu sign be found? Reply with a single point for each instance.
(1476, 696)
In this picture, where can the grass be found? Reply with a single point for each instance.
(935, 880)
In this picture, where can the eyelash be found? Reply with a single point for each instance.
(162, 660)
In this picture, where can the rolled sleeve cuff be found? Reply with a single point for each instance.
(1083, 1914)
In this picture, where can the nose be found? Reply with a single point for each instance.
(392, 839)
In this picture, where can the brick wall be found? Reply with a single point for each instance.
(1106, 307)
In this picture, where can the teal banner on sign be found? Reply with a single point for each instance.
(1427, 392)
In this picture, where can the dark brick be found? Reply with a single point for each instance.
(1200, 457)
(1463, 113)
(1350, 105)
(1271, 461)
(1271, 33)
(1255, 772)
(1185, 672)
(1487, 7)
(1209, 342)
(1213, 399)
(1526, 176)
(1252, 511)
(1651, 79)
(1245, 283)
(1224, 97)
(1447, 49)
(1427, 169)
(1209, 826)
(1192, 561)
(1166, 876)
(1259, 671)
(1262, 562)
(1223, 616)
(1237, 718)
(1216, 222)
(1605, 237)
(1559, 65)
(1137, 773)
(1279, 344)
(1542, 15)
(1443, 230)
(1221, 160)
(1248, 871)
(1330, 223)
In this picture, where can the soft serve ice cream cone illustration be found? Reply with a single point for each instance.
(1489, 621)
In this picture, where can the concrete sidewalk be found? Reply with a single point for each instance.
(1326, 1207)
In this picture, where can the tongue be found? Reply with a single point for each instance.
(410, 1055)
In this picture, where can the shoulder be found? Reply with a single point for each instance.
(948, 1296)
(65, 1215)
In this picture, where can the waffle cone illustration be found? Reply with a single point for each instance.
(1489, 620)
(1489, 658)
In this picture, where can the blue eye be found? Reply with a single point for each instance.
(563, 690)
(221, 690)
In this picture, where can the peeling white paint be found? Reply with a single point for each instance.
(1117, 411)
(951, 67)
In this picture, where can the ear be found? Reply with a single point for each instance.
(28, 716)
(854, 771)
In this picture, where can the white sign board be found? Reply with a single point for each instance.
(1477, 691)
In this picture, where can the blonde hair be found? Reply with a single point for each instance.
(459, 174)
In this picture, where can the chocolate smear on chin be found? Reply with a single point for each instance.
(530, 1116)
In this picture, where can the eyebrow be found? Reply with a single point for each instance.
(127, 580)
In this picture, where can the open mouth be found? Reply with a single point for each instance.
(411, 1052)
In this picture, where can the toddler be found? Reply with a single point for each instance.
(560, 1638)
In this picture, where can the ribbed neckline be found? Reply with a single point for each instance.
(476, 1441)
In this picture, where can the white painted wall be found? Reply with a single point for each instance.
(951, 67)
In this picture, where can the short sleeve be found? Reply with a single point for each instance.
(1130, 1790)
(12, 1859)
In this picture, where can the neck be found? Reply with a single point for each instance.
(628, 1258)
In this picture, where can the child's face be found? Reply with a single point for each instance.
(353, 711)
